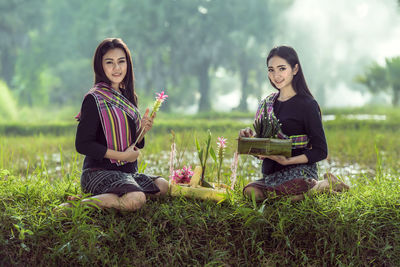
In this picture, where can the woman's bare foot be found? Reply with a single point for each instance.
(61, 209)
(73, 198)
(65, 205)
(337, 185)
(296, 198)
(68, 204)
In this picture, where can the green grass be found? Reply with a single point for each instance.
(357, 228)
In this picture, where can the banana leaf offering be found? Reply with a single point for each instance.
(264, 146)
(267, 127)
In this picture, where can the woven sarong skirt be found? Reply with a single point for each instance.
(96, 182)
(292, 180)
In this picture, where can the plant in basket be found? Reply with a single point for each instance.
(185, 182)
(266, 126)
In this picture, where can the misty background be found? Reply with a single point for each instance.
(206, 54)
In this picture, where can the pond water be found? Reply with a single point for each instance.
(360, 117)
(331, 117)
(249, 167)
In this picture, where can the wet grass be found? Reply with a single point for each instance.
(357, 228)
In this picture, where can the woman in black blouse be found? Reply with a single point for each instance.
(109, 124)
(299, 115)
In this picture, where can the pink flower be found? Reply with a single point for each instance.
(221, 142)
(172, 159)
(161, 96)
(182, 176)
(159, 100)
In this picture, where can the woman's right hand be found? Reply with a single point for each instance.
(131, 154)
(247, 132)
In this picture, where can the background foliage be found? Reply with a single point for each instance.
(195, 50)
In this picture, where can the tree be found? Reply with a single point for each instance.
(151, 38)
(57, 63)
(393, 77)
(18, 18)
(378, 78)
(253, 31)
(180, 41)
(200, 41)
(176, 45)
(8, 106)
(177, 42)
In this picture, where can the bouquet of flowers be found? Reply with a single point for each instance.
(156, 106)
(182, 176)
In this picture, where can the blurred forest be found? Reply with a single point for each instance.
(185, 47)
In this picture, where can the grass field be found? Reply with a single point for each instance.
(358, 228)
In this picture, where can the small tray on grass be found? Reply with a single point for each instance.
(194, 190)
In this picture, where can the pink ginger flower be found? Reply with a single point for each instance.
(221, 142)
(221, 145)
(172, 160)
(156, 106)
(161, 96)
(159, 100)
(182, 176)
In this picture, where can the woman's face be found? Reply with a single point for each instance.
(115, 66)
(280, 72)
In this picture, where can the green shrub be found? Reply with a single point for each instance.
(8, 105)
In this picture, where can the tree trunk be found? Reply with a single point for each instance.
(7, 65)
(320, 95)
(396, 95)
(204, 86)
(244, 74)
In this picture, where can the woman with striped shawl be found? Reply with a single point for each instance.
(109, 125)
(300, 118)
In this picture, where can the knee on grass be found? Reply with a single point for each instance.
(132, 201)
(162, 185)
(250, 190)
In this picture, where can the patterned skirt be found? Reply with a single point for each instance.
(292, 180)
(96, 182)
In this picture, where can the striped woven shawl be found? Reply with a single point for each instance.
(114, 110)
(298, 141)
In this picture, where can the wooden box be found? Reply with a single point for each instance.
(265, 146)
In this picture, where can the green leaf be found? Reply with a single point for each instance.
(206, 184)
(201, 157)
(212, 153)
(208, 142)
(197, 145)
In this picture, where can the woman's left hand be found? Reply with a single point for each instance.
(147, 122)
(278, 158)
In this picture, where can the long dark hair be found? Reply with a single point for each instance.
(289, 54)
(128, 84)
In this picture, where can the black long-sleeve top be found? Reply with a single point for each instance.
(91, 141)
(300, 115)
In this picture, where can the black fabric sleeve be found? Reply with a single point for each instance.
(140, 145)
(316, 134)
(89, 124)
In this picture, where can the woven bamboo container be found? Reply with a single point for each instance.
(265, 146)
